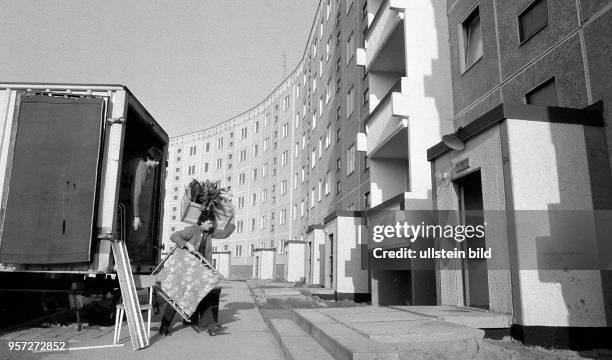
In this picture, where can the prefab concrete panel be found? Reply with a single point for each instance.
(562, 20)
(294, 253)
(350, 278)
(549, 172)
(317, 239)
(479, 79)
(264, 264)
(565, 63)
(222, 263)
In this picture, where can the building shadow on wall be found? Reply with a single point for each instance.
(577, 247)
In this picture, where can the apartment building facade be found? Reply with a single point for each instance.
(530, 155)
(291, 160)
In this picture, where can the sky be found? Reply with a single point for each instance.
(192, 64)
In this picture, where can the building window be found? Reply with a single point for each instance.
(283, 217)
(471, 38)
(285, 130)
(338, 164)
(321, 106)
(252, 224)
(366, 96)
(328, 135)
(350, 101)
(366, 200)
(243, 156)
(320, 147)
(544, 94)
(284, 157)
(313, 158)
(254, 199)
(321, 66)
(350, 159)
(266, 144)
(327, 183)
(240, 202)
(264, 195)
(254, 174)
(286, 103)
(366, 164)
(338, 187)
(312, 197)
(219, 164)
(283, 187)
(264, 169)
(219, 143)
(207, 147)
(205, 167)
(350, 48)
(320, 190)
(533, 19)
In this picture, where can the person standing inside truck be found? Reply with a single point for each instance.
(199, 238)
(141, 180)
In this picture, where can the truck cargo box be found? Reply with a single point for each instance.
(65, 153)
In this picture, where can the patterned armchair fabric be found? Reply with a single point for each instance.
(185, 278)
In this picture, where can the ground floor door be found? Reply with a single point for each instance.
(475, 274)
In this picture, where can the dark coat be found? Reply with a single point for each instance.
(195, 235)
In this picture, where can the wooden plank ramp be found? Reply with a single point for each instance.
(136, 325)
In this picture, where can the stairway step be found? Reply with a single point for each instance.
(341, 341)
(296, 343)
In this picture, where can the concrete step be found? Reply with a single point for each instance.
(368, 333)
(342, 342)
(296, 343)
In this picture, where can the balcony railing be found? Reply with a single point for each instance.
(387, 119)
(386, 19)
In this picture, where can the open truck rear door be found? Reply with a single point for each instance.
(54, 179)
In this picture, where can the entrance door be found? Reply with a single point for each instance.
(331, 262)
(256, 275)
(475, 275)
(52, 190)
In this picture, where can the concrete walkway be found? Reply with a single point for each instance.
(245, 337)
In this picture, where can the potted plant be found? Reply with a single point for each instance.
(206, 195)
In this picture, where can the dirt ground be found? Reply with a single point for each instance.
(279, 307)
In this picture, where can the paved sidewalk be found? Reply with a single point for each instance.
(245, 337)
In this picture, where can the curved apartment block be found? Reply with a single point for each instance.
(289, 161)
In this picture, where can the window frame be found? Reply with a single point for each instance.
(521, 38)
(463, 38)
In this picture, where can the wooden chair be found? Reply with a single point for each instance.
(141, 282)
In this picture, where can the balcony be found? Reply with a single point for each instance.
(385, 50)
(386, 128)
